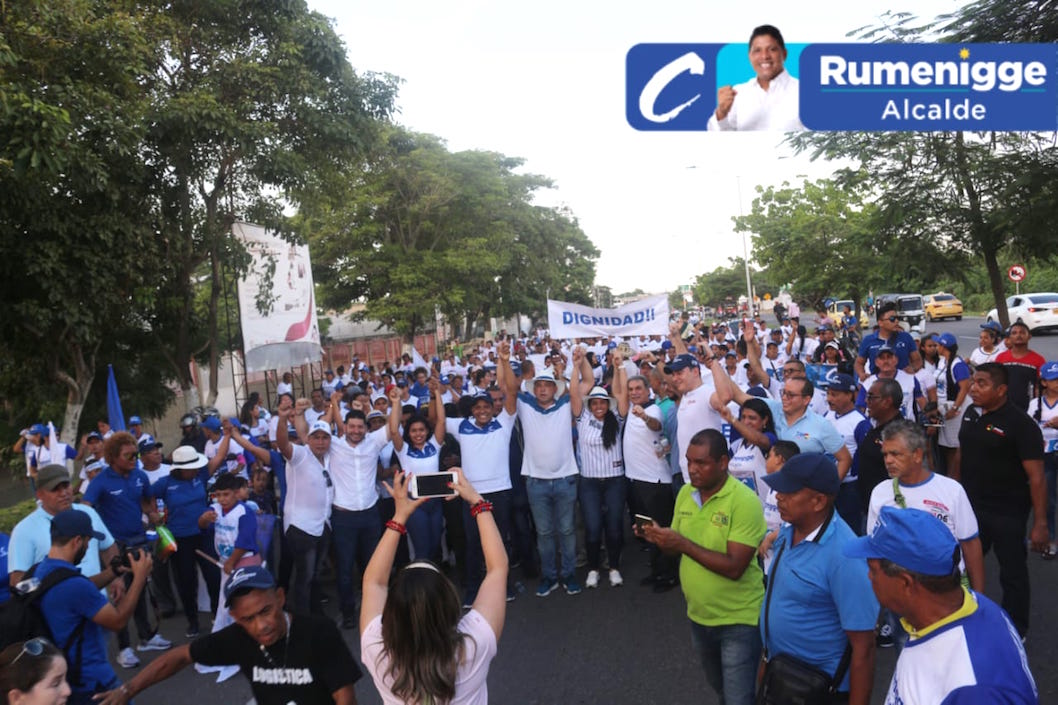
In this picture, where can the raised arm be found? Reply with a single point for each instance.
(576, 396)
(222, 449)
(438, 410)
(505, 376)
(257, 451)
(620, 384)
(284, 412)
(393, 420)
(674, 336)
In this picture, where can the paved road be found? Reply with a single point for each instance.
(968, 329)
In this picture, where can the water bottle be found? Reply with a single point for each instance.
(24, 587)
(162, 511)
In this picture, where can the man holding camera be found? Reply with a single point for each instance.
(120, 493)
(77, 600)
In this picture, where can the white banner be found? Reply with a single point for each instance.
(277, 302)
(648, 316)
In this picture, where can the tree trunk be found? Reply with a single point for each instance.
(77, 388)
(995, 281)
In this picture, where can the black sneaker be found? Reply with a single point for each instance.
(665, 584)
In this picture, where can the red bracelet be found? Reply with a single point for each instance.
(397, 526)
(480, 507)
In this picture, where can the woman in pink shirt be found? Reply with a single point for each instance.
(415, 642)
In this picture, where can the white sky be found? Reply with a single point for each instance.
(545, 82)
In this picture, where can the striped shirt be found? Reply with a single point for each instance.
(596, 460)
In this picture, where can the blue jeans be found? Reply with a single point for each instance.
(356, 534)
(552, 503)
(599, 497)
(730, 655)
(475, 560)
(425, 527)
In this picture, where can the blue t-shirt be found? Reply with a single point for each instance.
(5, 594)
(817, 595)
(185, 501)
(64, 607)
(279, 469)
(902, 344)
(117, 499)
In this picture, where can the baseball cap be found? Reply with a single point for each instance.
(813, 470)
(842, 382)
(885, 349)
(833, 344)
(135, 421)
(681, 362)
(826, 326)
(38, 429)
(212, 423)
(147, 443)
(479, 397)
(320, 427)
(402, 382)
(946, 339)
(252, 577)
(666, 344)
(912, 538)
(94, 436)
(51, 476)
(992, 325)
(71, 523)
(1049, 370)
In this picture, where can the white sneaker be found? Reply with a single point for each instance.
(127, 659)
(615, 578)
(155, 643)
(593, 579)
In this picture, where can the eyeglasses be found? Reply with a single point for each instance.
(872, 397)
(33, 647)
(790, 395)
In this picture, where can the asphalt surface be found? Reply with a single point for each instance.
(627, 644)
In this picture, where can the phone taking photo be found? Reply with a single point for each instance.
(642, 521)
(433, 484)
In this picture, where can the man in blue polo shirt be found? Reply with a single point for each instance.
(77, 600)
(121, 494)
(889, 333)
(817, 602)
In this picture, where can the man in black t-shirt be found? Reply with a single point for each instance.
(287, 658)
(1001, 468)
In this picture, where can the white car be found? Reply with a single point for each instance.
(1038, 311)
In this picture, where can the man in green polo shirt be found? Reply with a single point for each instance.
(717, 525)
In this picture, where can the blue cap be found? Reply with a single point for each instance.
(911, 538)
(885, 349)
(212, 423)
(71, 523)
(842, 382)
(435, 359)
(252, 577)
(147, 442)
(135, 421)
(812, 470)
(681, 362)
(946, 339)
(826, 326)
(445, 379)
(611, 345)
(38, 429)
(92, 436)
(402, 382)
(993, 326)
(666, 344)
(1049, 370)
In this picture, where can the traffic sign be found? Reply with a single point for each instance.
(1016, 272)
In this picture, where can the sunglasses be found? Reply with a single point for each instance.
(889, 318)
(33, 647)
(131, 455)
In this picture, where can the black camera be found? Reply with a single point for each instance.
(127, 552)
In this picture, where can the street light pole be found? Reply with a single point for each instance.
(745, 249)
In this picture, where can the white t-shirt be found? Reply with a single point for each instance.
(846, 426)
(1047, 412)
(284, 388)
(309, 493)
(485, 452)
(548, 438)
(473, 672)
(422, 461)
(941, 496)
(979, 356)
(640, 454)
(693, 415)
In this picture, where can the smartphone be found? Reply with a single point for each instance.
(433, 484)
(643, 520)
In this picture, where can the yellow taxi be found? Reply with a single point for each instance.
(941, 305)
(836, 310)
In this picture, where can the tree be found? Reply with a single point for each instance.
(74, 207)
(422, 229)
(722, 283)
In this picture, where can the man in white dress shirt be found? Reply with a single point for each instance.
(767, 102)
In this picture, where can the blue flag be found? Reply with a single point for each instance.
(116, 417)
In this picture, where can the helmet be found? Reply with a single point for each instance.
(188, 420)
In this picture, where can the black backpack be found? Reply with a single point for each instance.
(21, 618)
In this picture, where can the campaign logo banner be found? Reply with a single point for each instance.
(670, 87)
(648, 316)
(897, 87)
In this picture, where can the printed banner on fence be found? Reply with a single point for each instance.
(277, 302)
(648, 316)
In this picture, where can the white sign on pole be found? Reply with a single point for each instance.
(277, 302)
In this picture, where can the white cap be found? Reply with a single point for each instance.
(318, 426)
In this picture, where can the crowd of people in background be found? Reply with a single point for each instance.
(814, 499)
